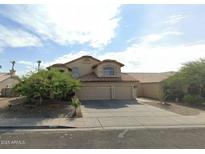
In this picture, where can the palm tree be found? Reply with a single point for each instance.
(13, 63)
(39, 63)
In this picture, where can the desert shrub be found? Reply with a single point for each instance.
(193, 89)
(193, 99)
(48, 84)
(173, 93)
(75, 102)
(190, 79)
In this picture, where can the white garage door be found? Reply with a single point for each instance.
(95, 93)
(123, 92)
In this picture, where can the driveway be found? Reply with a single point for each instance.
(126, 114)
(101, 109)
(134, 114)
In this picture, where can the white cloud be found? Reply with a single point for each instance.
(174, 19)
(25, 62)
(157, 37)
(66, 24)
(28, 67)
(157, 59)
(143, 58)
(153, 38)
(66, 58)
(16, 38)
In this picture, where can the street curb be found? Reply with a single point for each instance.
(36, 127)
(65, 128)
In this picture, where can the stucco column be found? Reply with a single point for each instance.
(112, 90)
(134, 90)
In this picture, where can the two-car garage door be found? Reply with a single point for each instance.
(93, 92)
(106, 91)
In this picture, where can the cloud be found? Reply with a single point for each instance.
(156, 58)
(143, 58)
(16, 38)
(69, 24)
(154, 37)
(157, 37)
(174, 19)
(25, 62)
(28, 66)
(66, 58)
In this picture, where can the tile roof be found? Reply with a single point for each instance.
(59, 65)
(4, 76)
(92, 77)
(86, 56)
(151, 77)
(108, 60)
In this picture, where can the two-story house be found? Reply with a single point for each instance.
(104, 80)
(100, 79)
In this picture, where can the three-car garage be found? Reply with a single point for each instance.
(107, 91)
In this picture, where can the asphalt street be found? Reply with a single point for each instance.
(110, 138)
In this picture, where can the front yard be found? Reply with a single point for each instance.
(16, 108)
(179, 108)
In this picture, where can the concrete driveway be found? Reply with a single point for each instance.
(128, 114)
(101, 109)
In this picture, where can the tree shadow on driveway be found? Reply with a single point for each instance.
(109, 104)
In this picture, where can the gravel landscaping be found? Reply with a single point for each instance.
(183, 109)
(16, 108)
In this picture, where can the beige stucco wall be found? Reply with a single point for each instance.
(151, 90)
(99, 69)
(84, 65)
(10, 82)
(107, 90)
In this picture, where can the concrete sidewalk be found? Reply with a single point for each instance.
(107, 122)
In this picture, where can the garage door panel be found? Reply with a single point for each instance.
(122, 92)
(95, 93)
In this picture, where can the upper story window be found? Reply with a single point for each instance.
(86, 61)
(75, 72)
(108, 71)
(62, 71)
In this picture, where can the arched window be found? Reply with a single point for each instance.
(75, 72)
(108, 71)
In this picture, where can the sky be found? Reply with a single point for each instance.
(145, 38)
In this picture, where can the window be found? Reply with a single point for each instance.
(86, 61)
(75, 72)
(108, 71)
(62, 71)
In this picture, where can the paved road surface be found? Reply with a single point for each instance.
(124, 138)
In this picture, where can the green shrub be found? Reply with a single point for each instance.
(172, 94)
(75, 102)
(48, 84)
(193, 99)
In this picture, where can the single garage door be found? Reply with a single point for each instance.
(95, 93)
(123, 92)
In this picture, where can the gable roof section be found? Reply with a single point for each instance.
(92, 77)
(151, 77)
(4, 76)
(108, 60)
(81, 58)
(59, 65)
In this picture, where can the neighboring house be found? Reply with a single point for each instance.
(103, 80)
(151, 83)
(7, 81)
